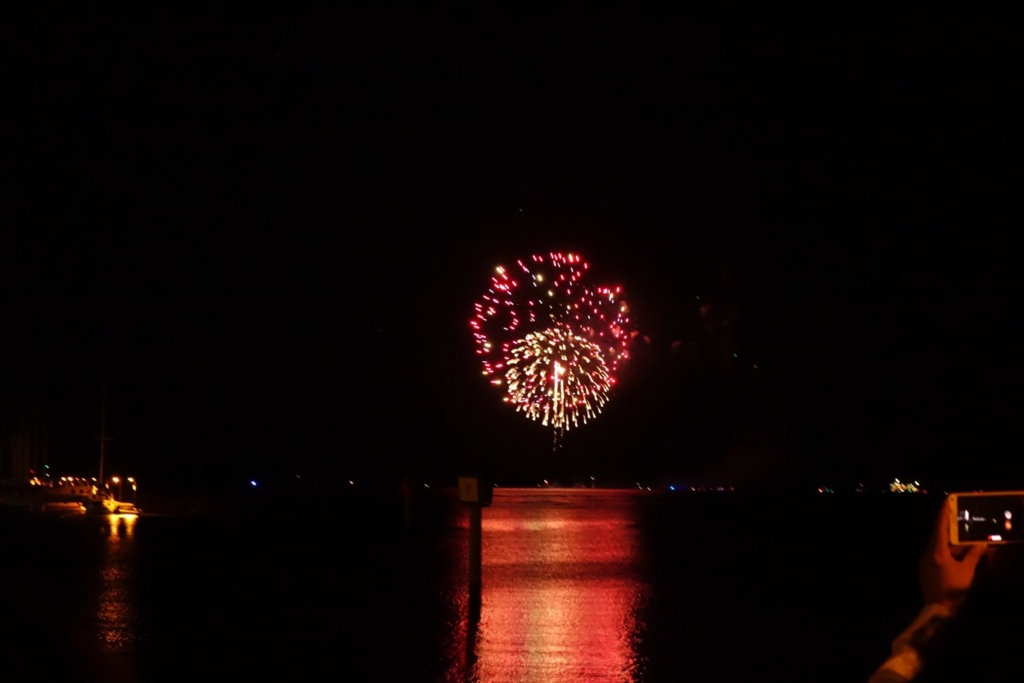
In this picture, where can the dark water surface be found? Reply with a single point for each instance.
(579, 585)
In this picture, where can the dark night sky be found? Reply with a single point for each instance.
(266, 233)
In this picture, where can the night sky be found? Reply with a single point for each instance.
(265, 234)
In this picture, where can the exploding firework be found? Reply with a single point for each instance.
(538, 311)
(557, 377)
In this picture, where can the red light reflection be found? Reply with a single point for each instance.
(562, 594)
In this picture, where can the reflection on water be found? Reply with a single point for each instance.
(563, 592)
(117, 614)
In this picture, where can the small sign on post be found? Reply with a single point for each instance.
(475, 490)
(469, 492)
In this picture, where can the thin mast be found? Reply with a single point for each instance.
(103, 434)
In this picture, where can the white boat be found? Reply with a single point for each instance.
(109, 506)
(62, 506)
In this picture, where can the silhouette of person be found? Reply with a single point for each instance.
(946, 573)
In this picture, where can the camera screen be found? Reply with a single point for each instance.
(991, 518)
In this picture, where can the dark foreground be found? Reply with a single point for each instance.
(578, 586)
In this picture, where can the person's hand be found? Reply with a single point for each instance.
(947, 571)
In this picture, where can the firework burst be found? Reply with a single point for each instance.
(557, 377)
(547, 307)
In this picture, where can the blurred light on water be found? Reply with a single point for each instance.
(563, 596)
(117, 613)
